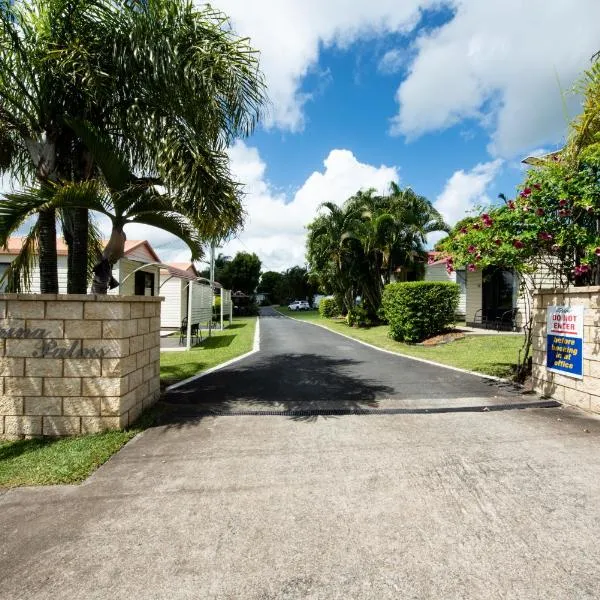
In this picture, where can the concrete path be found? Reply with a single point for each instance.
(465, 503)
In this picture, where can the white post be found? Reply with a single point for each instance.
(221, 309)
(230, 310)
(188, 344)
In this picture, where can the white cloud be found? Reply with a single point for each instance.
(500, 62)
(463, 191)
(392, 61)
(276, 223)
(289, 34)
(275, 226)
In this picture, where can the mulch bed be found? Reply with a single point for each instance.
(443, 338)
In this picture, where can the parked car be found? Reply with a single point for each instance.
(299, 305)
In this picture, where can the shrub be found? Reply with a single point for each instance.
(358, 316)
(419, 309)
(328, 308)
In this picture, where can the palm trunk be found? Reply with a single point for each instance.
(77, 278)
(47, 252)
(113, 252)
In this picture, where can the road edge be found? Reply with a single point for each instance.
(422, 360)
(255, 349)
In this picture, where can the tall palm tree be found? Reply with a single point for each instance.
(172, 85)
(121, 196)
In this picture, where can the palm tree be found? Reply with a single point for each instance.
(122, 197)
(331, 248)
(354, 249)
(171, 84)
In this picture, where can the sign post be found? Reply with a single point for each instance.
(564, 345)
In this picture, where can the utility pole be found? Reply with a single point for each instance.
(211, 278)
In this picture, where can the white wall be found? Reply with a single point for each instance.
(124, 268)
(474, 294)
(439, 273)
(173, 308)
(35, 273)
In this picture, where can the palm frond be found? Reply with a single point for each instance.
(177, 225)
(18, 275)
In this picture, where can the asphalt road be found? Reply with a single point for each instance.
(457, 503)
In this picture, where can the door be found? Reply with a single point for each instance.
(144, 283)
(497, 292)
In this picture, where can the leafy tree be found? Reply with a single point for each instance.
(242, 273)
(123, 198)
(296, 284)
(172, 85)
(269, 284)
(354, 249)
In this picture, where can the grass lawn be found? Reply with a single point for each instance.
(50, 461)
(490, 354)
(222, 346)
(302, 315)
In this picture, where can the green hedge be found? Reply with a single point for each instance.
(328, 308)
(419, 309)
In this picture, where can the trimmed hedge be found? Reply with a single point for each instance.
(417, 310)
(328, 308)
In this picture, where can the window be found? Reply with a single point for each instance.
(144, 283)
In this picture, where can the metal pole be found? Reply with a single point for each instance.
(221, 309)
(188, 344)
(212, 284)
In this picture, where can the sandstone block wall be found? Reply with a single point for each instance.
(72, 364)
(584, 393)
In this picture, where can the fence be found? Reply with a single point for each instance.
(226, 306)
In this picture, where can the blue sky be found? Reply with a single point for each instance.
(443, 95)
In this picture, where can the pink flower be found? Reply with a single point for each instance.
(498, 242)
(525, 193)
(526, 208)
(512, 205)
(562, 202)
(471, 249)
(478, 257)
(518, 244)
(540, 212)
(597, 251)
(487, 221)
(463, 230)
(545, 236)
(472, 267)
(449, 270)
(565, 212)
(476, 226)
(537, 186)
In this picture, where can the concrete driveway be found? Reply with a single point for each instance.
(459, 502)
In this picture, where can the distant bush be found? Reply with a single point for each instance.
(328, 308)
(419, 309)
(358, 316)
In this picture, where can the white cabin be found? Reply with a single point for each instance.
(143, 282)
(174, 288)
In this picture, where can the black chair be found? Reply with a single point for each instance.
(507, 321)
(194, 329)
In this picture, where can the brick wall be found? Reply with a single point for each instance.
(73, 364)
(584, 393)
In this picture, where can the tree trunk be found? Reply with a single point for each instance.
(78, 252)
(47, 252)
(114, 251)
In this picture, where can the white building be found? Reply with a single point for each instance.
(174, 287)
(436, 271)
(133, 276)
